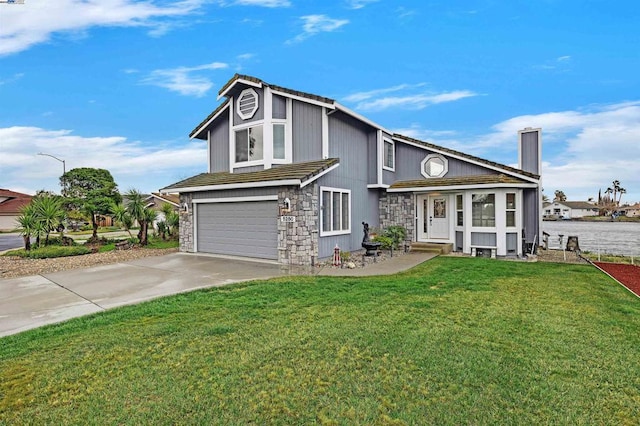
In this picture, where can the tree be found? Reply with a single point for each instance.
(137, 209)
(27, 224)
(122, 216)
(49, 212)
(559, 196)
(91, 191)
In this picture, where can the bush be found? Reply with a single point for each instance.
(397, 234)
(385, 242)
(50, 252)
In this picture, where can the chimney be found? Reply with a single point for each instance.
(530, 150)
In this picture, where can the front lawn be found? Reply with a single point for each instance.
(453, 341)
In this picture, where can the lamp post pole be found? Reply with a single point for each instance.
(64, 169)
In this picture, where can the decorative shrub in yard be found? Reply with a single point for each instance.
(50, 251)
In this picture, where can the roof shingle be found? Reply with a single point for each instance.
(457, 181)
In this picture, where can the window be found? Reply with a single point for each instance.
(247, 104)
(511, 209)
(389, 155)
(459, 210)
(336, 211)
(278, 142)
(249, 144)
(434, 166)
(483, 210)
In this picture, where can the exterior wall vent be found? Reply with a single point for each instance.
(247, 104)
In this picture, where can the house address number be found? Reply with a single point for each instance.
(287, 219)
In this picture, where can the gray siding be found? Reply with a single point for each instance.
(307, 132)
(219, 149)
(279, 107)
(529, 151)
(348, 142)
(531, 215)
(483, 239)
(512, 242)
(459, 241)
(259, 115)
(408, 159)
(372, 157)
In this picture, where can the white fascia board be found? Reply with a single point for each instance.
(319, 175)
(238, 81)
(235, 199)
(377, 186)
(204, 126)
(303, 99)
(463, 187)
(465, 159)
(361, 118)
(288, 182)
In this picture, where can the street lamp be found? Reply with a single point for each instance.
(64, 170)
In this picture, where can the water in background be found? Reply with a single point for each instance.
(607, 237)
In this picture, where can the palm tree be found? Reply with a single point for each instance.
(49, 213)
(137, 209)
(122, 216)
(27, 224)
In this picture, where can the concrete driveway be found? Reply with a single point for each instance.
(34, 301)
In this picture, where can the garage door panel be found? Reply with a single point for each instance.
(240, 229)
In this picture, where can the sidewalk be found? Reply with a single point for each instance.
(390, 266)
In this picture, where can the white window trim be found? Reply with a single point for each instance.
(237, 164)
(386, 140)
(332, 190)
(429, 157)
(514, 210)
(246, 116)
(476, 228)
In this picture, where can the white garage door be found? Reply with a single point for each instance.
(239, 228)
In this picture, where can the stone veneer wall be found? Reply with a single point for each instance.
(398, 209)
(186, 224)
(298, 241)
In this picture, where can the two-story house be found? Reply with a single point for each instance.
(292, 175)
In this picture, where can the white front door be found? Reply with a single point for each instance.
(434, 217)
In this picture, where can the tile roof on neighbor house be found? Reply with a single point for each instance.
(457, 181)
(169, 198)
(13, 202)
(296, 173)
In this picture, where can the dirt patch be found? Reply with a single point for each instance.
(627, 275)
(13, 266)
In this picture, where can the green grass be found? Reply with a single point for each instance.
(453, 341)
(613, 258)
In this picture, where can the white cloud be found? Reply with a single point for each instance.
(359, 4)
(38, 20)
(132, 164)
(315, 24)
(184, 80)
(261, 3)
(372, 101)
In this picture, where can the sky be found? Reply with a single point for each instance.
(120, 84)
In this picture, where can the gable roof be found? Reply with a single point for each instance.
(331, 103)
(167, 198)
(462, 155)
(14, 202)
(462, 181)
(288, 174)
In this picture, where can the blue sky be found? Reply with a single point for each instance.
(119, 84)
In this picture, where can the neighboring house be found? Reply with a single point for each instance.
(569, 210)
(11, 204)
(292, 175)
(157, 201)
(631, 211)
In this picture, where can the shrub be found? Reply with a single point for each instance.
(397, 234)
(385, 242)
(50, 252)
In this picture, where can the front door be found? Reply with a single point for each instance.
(434, 217)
